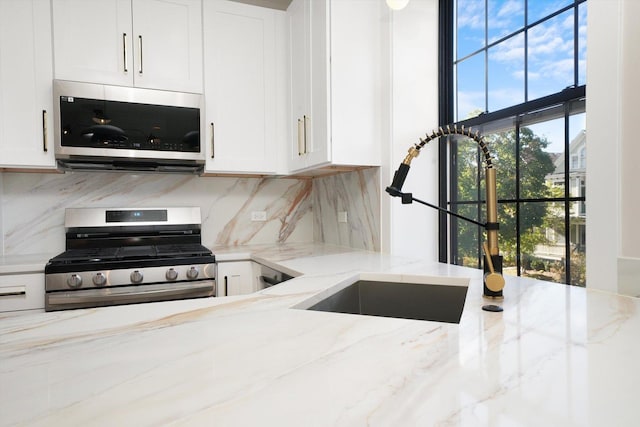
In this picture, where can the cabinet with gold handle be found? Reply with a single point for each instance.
(303, 147)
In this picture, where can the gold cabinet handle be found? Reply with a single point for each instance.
(124, 52)
(44, 131)
(300, 137)
(140, 54)
(213, 140)
(306, 147)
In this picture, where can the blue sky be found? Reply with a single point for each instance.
(550, 55)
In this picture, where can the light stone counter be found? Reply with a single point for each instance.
(19, 264)
(557, 355)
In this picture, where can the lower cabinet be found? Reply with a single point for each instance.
(21, 292)
(246, 277)
(236, 278)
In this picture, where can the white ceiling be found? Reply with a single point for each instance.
(273, 4)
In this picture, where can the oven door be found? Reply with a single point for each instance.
(86, 298)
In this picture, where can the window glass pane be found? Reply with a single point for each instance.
(506, 73)
(470, 22)
(505, 17)
(542, 160)
(507, 237)
(467, 235)
(542, 240)
(577, 210)
(582, 44)
(502, 146)
(551, 56)
(467, 161)
(470, 90)
(538, 9)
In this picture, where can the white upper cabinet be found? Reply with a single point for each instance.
(145, 43)
(241, 87)
(336, 83)
(26, 105)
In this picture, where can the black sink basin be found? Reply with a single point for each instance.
(440, 303)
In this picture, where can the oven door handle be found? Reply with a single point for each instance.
(142, 293)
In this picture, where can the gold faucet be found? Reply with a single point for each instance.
(493, 278)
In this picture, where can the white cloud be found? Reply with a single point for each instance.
(470, 14)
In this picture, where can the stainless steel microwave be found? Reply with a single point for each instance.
(116, 128)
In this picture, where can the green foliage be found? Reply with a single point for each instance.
(535, 164)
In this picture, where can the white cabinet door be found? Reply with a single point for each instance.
(298, 15)
(93, 41)
(357, 81)
(337, 82)
(235, 278)
(26, 105)
(167, 44)
(309, 83)
(319, 121)
(147, 43)
(240, 87)
(21, 291)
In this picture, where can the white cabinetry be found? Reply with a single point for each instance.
(21, 291)
(241, 86)
(26, 105)
(236, 278)
(337, 84)
(145, 43)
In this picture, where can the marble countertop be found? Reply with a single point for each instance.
(22, 264)
(556, 355)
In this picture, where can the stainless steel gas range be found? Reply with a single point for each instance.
(129, 255)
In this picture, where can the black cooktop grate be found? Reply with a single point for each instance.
(125, 253)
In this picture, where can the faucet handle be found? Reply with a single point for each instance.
(492, 280)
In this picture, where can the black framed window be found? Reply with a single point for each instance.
(515, 71)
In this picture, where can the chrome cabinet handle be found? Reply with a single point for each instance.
(213, 140)
(44, 131)
(140, 54)
(124, 51)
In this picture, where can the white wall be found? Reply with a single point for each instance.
(613, 236)
(414, 111)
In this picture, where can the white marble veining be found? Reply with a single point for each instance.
(356, 193)
(556, 355)
(33, 205)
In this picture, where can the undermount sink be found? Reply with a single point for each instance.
(439, 299)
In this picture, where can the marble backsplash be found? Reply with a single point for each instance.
(298, 210)
(357, 194)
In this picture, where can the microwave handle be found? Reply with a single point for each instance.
(140, 54)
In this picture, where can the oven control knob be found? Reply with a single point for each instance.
(136, 276)
(192, 273)
(99, 279)
(74, 281)
(171, 274)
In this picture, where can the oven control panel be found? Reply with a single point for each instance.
(128, 276)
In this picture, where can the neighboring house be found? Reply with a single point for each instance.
(555, 250)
